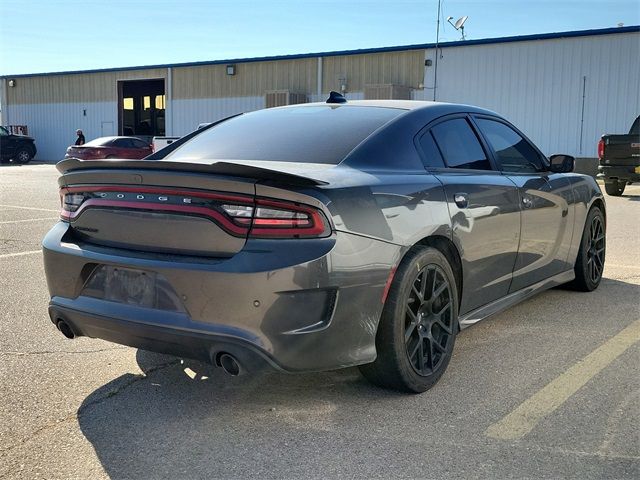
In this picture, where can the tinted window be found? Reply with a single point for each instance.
(432, 157)
(635, 128)
(310, 134)
(99, 142)
(513, 153)
(139, 143)
(123, 143)
(459, 145)
(3, 132)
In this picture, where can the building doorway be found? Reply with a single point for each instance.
(141, 108)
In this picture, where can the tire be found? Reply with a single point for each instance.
(591, 255)
(615, 188)
(23, 155)
(428, 321)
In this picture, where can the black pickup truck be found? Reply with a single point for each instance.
(620, 159)
(19, 148)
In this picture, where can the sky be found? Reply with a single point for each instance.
(61, 35)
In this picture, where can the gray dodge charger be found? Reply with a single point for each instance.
(321, 236)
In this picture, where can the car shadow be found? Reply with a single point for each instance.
(186, 419)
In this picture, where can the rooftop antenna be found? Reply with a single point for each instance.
(459, 25)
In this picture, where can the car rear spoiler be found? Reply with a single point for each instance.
(217, 168)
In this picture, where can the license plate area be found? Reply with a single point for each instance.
(132, 287)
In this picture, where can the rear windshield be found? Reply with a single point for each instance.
(99, 142)
(312, 134)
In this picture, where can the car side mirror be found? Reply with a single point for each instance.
(561, 163)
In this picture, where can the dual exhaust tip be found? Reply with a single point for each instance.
(229, 364)
(65, 329)
(224, 360)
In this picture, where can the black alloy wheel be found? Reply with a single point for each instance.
(429, 320)
(595, 251)
(589, 265)
(419, 323)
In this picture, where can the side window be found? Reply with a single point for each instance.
(459, 145)
(513, 153)
(122, 143)
(432, 157)
(139, 143)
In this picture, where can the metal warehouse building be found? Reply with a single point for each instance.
(563, 89)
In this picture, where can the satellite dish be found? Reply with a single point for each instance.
(460, 22)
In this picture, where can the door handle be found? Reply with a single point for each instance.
(461, 199)
(526, 201)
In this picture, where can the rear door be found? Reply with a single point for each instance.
(545, 199)
(483, 205)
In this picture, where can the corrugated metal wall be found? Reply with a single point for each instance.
(539, 86)
(401, 68)
(251, 79)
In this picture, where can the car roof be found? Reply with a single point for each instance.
(398, 104)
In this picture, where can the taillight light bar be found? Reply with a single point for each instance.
(238, 215)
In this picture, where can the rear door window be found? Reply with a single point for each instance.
(431, 156)
(459, 145)
(513, 153)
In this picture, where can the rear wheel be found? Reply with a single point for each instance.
(590, 262)
(23, 155)
(615, 188)
(419, 323)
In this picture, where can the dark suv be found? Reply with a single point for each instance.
(19, 148)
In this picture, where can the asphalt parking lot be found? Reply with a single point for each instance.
(550, 388)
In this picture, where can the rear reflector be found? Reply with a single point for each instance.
(238, 215)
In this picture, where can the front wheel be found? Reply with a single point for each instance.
(23, 155)
(590, 262)
(418, 326)
(615, 188)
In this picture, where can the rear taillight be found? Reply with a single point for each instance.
(238, 215)
(600, 149)
(279, 219)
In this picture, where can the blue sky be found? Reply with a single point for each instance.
(58, 35)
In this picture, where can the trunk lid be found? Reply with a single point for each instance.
(163, 207)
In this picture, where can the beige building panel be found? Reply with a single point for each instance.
(400, 68)
(81, 87)
(251, 79)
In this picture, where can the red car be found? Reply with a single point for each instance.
(110, 147)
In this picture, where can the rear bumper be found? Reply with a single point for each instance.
(300, 305)
(628, 173)
(169, 339)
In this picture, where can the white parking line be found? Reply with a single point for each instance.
(19, 254)
(28, 220)
(30, 208)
